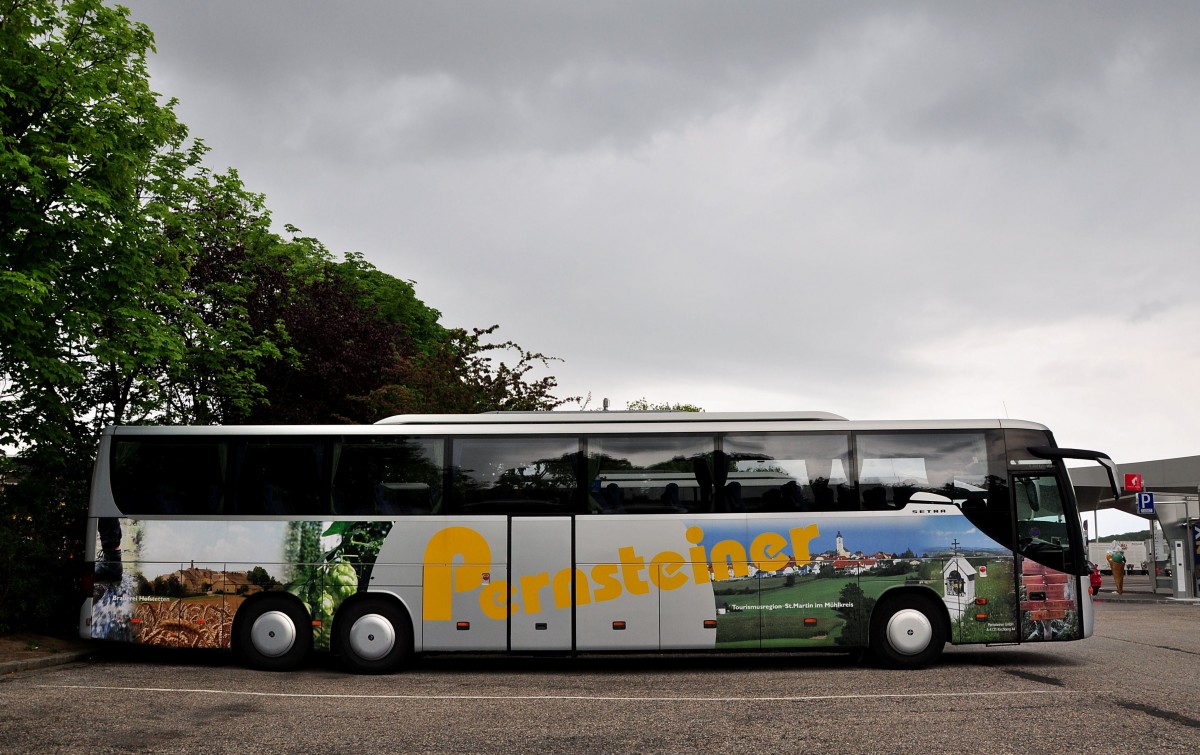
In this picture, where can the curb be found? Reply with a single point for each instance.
(56, 659)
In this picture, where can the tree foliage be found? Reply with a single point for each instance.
(215, 377)
(856, 609)
(337, 347)
(465, 374)
(87, 154)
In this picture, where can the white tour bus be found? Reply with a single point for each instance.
(574, 532)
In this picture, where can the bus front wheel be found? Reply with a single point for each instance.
(273, 633)
(907, 633)
(372, 636)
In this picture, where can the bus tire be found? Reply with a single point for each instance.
(907, 632)
(273, 633)
(373, 636)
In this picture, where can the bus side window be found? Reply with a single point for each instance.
(894, 466)
(651, 474)
(789, 472)
(523, 475)
(152, 476)
(387, 475)
(284, 478)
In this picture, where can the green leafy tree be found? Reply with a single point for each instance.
(279, 332)
(90, 261)
(260, 577)
(87, 265)
(463, 374)
(237, 257)
(275, 330)
(894, 568)
(395, 302)
(857, 615)
(338, 345)
(168, 585)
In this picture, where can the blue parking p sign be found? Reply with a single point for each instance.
(1145, 503)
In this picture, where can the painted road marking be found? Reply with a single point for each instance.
(586, 698)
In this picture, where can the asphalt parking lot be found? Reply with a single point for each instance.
(1132, 686)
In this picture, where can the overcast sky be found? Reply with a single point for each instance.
(881, 210)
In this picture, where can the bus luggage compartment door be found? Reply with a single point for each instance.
(617, 606)
(463, 573)
(540, 562)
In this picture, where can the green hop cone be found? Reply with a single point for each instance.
(327, 606)
(343, 580)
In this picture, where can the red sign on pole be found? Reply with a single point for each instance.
(1133, 483)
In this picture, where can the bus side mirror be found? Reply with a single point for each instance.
(1110, 467)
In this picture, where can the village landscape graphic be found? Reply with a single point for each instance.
(828, 599)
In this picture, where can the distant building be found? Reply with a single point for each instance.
(841, 547)
(215, 582)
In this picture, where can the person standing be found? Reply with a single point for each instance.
(1116, 559)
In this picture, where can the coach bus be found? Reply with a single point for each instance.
(581, 532)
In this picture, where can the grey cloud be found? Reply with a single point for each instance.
(523, 76)
(560, 77)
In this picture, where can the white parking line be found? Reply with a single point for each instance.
(586, 698)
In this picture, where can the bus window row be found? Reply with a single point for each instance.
(389, 475)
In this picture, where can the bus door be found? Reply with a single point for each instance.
(1049, 592)
(541, 565)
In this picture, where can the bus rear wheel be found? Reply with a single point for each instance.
(372, 636)
(907, 633)
(273, 633)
